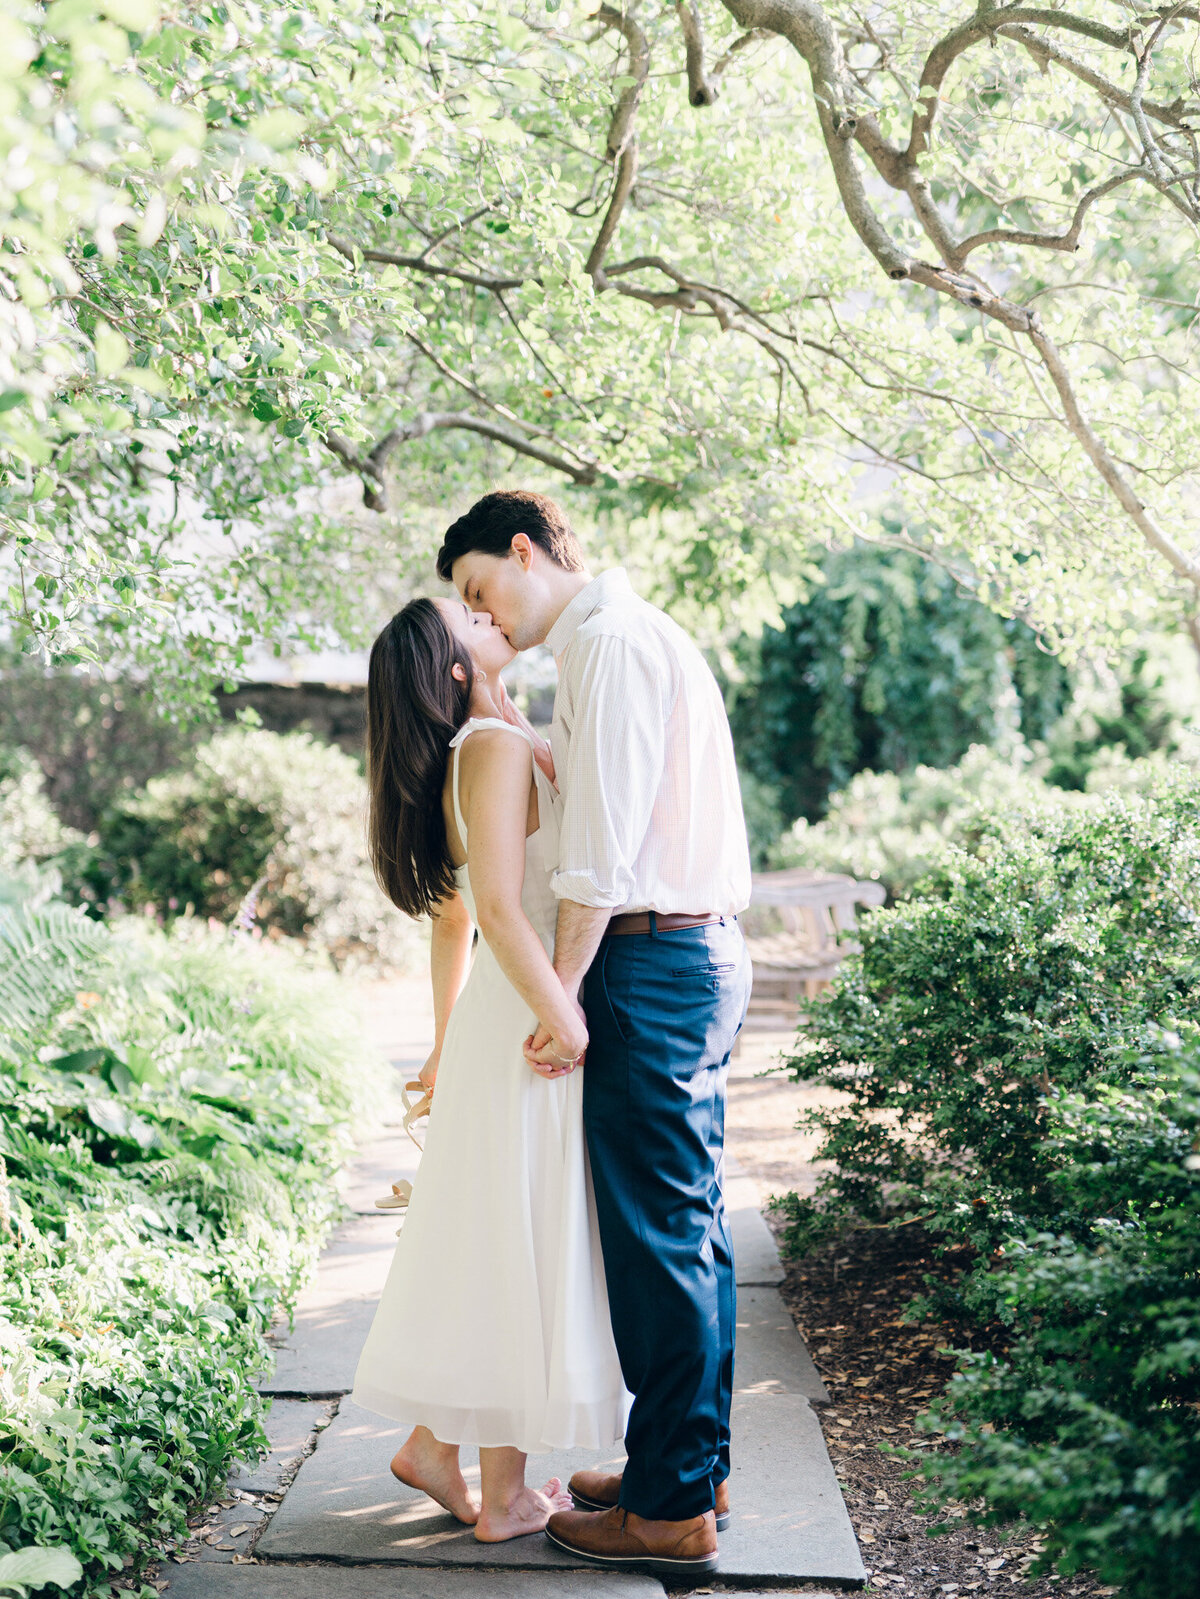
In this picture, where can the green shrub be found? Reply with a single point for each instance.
(887, 664)
(999, 1043)
(895, 827)
(1088, 1424)
(1140, 723)
(29, 828)
(283, 811)
(764, 819)
(98, 740)
(172, 1110)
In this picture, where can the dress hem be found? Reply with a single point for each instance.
(450, 1425)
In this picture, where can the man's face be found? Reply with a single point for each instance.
(506, 587)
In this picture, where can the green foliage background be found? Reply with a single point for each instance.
(282, 815)
(886, 665)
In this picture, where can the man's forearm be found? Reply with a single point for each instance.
(580, 929)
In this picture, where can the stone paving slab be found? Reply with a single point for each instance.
(289, 1425)
(333, 1314)
(230, 1531)
(755, 1257)
(771, 1357)
(388, 1582)
(789, 1519)
(789, 1522)
(346, 1505)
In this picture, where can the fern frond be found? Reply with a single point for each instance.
(45, 952)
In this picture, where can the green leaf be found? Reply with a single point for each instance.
(35, 1567)
(139, 16)
(277, 129)
(514, 35)
(112, 350)
(142, 1066)
(80, 1060)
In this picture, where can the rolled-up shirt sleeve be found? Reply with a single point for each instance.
(620, 702)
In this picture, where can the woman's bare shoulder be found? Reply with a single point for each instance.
(496, 746)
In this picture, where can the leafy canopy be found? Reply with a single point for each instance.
(633, 254)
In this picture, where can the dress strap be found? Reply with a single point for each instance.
(456, 744)
(474, 722)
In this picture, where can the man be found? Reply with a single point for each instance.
(652, 870)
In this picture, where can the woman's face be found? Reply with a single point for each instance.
(489, 648)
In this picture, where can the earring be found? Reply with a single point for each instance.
(482, 676)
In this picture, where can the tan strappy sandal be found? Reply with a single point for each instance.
(415, 1110)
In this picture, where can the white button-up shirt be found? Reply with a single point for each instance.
(650, 814)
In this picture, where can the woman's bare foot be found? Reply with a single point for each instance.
(529, 1512)
(432, 1467)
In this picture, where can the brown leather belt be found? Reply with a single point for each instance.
(639, 921)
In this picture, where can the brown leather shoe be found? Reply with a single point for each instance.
(596, 1490)
(623, 1541)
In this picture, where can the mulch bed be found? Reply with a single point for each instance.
(881, 1374)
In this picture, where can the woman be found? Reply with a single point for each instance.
(493, 1328)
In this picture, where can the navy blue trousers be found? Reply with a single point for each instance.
(663, 1010)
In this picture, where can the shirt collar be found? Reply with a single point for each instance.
(610, 585)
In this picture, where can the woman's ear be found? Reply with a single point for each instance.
(458, 672)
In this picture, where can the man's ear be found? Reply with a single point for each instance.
(522, 548)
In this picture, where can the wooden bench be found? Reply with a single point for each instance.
(797, 931)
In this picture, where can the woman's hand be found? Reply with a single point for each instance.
(542, 753)
(428, 1072)
(557, 1054)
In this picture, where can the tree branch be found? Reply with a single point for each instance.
(627, 165)
(415, 263)
(622, 139)
(984, 25)
(1044, 50)
(1048, 241)
(1159, 164)
(701, 89)
(456, 227)
(754, 36)
(621, 128)
(809, 31)
(477, 394)
(1184, 566)
(370, 467)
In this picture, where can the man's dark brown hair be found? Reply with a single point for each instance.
(493, 523)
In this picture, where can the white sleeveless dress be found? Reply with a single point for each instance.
(493, 1328)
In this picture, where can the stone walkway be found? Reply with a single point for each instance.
(323, 1516)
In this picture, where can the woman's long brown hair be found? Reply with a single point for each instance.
(414, 709)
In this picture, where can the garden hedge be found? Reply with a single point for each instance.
(173, 1108)
(1018, 1046)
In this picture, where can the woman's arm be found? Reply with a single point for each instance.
(449, 959)
(496, 769)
